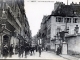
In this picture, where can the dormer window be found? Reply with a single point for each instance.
(59, 7)
(58, 11)
(74, 12)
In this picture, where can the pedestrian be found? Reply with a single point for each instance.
(39, 48)
(16, 49)
(46, 48)
(58, 50)
(31, 49)
(36, 48)
(5, 51)
(22, 50)
(19, 50)
(11, 50)
(26, 51)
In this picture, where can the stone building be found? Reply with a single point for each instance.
(14, 25)
(44, 31)
(63, 18)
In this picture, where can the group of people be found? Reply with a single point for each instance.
(27, 49)
(7, 50)
(20, 50)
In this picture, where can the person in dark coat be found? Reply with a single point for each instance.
(5, 51)
(16, 49)
(36, 48)
(26, 51)
(11, 51)
(46, 48)
(19, 51)
(31, 49)
(22, 50)
(58, 50)
(39, 51)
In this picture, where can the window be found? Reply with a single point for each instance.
(59, 7)
(74, 12)
(56, 19)
(70, 20)
(75, 20)
(59, 19)
(58, 11)
(67, 20)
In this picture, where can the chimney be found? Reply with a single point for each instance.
(72, 3)
(79, 2)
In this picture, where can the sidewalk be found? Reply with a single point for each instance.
(66, 56)
(69, 57)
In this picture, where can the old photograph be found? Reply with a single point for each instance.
(40, 29)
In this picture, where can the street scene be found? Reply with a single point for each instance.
(38, 30)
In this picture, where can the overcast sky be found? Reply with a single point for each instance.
(36, 10)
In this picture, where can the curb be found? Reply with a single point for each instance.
(68, 58)
(64, 57)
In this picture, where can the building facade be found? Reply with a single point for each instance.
(14, 25)
(63, 18)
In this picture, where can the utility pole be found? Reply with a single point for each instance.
(64, 44)
(66, 20)
(67, 2)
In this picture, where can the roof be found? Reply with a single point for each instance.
(67, 10)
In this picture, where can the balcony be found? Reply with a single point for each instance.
(13, 15)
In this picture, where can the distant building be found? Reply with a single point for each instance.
(44, 31)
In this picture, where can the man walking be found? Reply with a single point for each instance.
(39, 51)
(11, 50)
(26, 51)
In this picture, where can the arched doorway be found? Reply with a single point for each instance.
(5, 40)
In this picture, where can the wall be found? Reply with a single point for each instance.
(74, 44)
(53, 27)
(53, 32)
